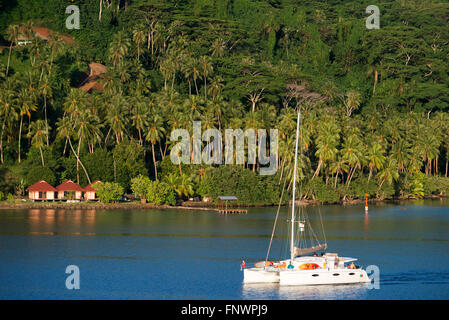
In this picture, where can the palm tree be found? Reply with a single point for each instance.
(388, 173)
(139, 116)
(38, 133)
(35, 50)
(186, 186)
(193, 64)
(46, 91)
(401, 152)
(353, 154)
(206, 69)
(217, 105)
(119, 48)
(56, 45)
(117, 118)
(139, 38)
(168, 68)
(194, 107)
(12, 35)
(155, 131)
(7, 110)
(216, 86)
(26, 106)
(375, 158)
(218, 48)
(65, 130)
(326, 143)
(338, 167)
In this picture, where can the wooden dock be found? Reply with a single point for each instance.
(232, 211)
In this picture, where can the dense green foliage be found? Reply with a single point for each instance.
(139, 186)
(108, 192)
(160, 193)
(374, 103)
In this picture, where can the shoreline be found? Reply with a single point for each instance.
(186, 205)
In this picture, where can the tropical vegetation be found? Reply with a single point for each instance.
(374, 103)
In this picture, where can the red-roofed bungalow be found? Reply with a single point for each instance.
(41, 190)
(69, 190)
(89, 191)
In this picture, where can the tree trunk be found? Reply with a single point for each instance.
(9, 58)
(196, 87)
(77, 162)
(101, 10)
(140, 136)
(317, 171)
(446, 168)
(1, 141)
(42, 156)
(20, 133)
(77, 158)
(45, 114)
(154, 161)
(370, 173)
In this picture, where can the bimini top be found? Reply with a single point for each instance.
(69, 185)
(41, 186)
(229, 198)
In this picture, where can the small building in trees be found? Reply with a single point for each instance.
(41, 191)
(69, 190)
(27, 36)
(89, 191)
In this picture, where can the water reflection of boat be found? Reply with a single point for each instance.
(301, 268)
(263, 291)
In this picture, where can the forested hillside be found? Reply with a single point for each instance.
(374, 103)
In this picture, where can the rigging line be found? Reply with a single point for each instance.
(322, 225)
(275, 222)
(313, 234)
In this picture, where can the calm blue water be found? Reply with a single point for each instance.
(169, 254)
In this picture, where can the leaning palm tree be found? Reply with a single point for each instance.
(12, 35)
(154, 134)
(38, 133)
(65, 130)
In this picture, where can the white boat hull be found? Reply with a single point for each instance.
(325, 271)
(322, 276)
(259, 275)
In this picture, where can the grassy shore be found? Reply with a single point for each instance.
(187, 205)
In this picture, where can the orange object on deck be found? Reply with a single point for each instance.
(262, 264)
(308, 266)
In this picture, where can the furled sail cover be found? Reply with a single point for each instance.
(303, 251)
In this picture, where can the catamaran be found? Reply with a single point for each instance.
(303, 268)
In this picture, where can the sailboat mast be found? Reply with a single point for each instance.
(292, 240)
